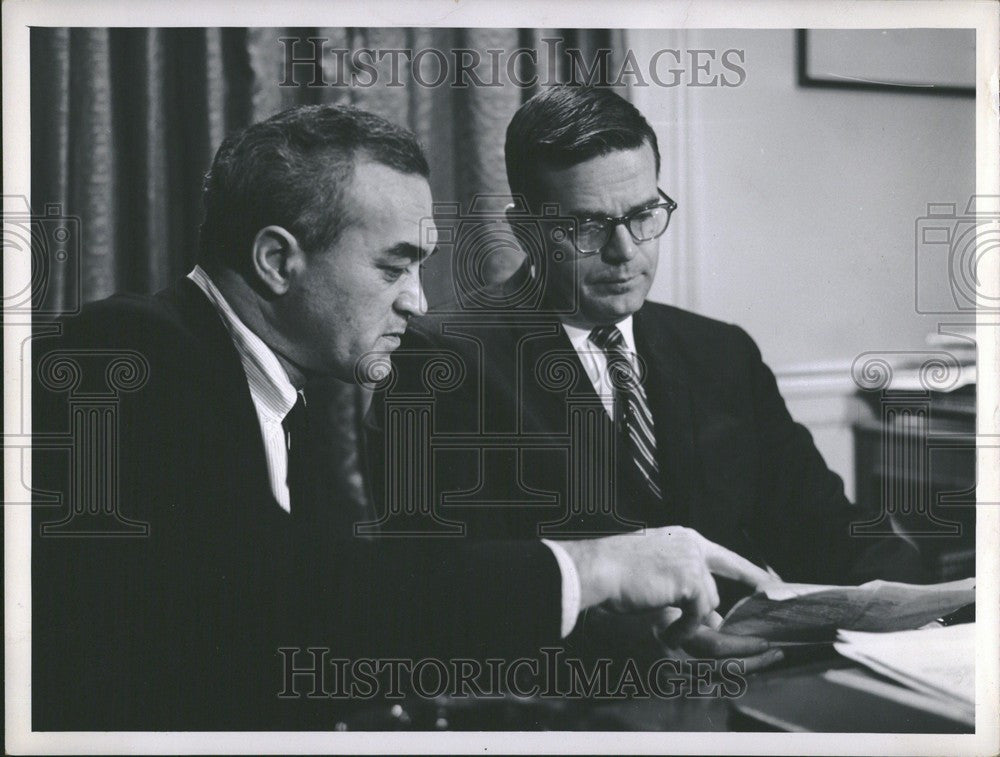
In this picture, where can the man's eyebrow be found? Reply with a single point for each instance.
(583, 213)
(408, 251)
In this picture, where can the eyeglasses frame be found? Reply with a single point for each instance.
(614, 223)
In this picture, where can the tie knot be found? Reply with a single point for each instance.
(608, 338)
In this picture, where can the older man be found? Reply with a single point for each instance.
(310, 255)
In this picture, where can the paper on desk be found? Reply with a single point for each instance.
(804, 612)
(938, 662)
(862, 680)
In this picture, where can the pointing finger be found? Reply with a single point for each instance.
(723, 562)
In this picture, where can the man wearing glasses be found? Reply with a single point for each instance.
(589, 410)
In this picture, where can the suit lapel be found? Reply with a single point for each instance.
(667, 389)
(548, 357)
(215, 365)
(669, 395)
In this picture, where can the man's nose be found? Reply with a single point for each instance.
(621, 247)
(411, 300)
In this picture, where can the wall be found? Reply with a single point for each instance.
(797, 213)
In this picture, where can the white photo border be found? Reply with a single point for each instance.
(19, 15)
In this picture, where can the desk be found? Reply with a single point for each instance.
(801, 699)
(791, 697)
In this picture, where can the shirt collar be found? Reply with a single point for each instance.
(580, 337)
(270, 387)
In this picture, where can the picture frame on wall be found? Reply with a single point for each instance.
(888, 60)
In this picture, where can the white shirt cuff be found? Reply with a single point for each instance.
(570, 586)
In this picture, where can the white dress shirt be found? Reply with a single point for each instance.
(595, 361)
(274, 396)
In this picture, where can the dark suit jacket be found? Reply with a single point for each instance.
(734, 465)
(180, 628)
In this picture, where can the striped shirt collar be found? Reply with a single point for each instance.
(272, 392)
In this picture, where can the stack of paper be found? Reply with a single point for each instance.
(936, 662)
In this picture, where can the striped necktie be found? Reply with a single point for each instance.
(632, 416)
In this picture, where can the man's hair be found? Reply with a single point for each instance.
(291, 171)
(568, 124)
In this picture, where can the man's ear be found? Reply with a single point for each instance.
(275, 258)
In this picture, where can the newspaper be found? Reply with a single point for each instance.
(814, 613)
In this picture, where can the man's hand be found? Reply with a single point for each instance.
(643, 637)
(670, 566)
(709, 642)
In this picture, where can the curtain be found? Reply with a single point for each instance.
(125, 123)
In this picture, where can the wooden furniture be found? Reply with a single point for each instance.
(915, 464)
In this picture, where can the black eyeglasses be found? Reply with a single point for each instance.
(592, 234)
